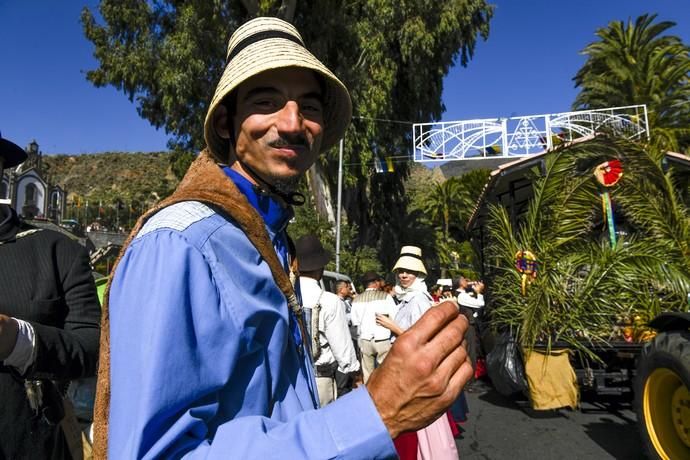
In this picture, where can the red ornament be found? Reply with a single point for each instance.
(609, 172)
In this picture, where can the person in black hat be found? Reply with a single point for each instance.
(11, 155)
(332, 346)
(49, 332)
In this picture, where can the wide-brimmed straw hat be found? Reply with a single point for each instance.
(311, 254)
(410, 259)
(10, 153)
(268, 43)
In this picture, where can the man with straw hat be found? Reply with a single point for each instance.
(207, 353)
(49, 315)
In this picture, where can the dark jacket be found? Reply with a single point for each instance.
(45, 279)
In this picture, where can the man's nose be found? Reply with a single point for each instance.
(290, 119)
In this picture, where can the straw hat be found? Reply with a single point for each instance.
(10, 153)
(410, 259)
(270, 43)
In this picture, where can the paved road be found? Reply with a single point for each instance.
(500, 428)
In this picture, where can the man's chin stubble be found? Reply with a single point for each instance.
(286, 185)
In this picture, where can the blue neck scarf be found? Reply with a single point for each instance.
(276, 218)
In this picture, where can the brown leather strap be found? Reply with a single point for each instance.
(71, 430)
(204, 182)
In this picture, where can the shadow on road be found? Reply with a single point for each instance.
(617, 422)
(609, 422)
(517, 402)
(609, 433)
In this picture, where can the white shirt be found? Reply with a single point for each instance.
(467, 300)
(24, 352)
(334, 335)
(365, 307)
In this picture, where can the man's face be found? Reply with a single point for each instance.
(463, 282)
(278, 125)
(344, 291)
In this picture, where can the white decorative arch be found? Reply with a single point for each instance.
(521, 136)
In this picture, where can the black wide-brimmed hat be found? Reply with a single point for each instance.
(11, 153)
(311, 255)
(371, 276)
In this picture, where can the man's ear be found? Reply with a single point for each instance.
(220, 121)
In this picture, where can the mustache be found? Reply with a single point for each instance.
(298, 140)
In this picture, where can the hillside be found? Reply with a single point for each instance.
(106, 177)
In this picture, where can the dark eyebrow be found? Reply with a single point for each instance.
(259, 90)
(270, 90)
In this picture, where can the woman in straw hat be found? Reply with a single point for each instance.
(204, 350)
(435, 441)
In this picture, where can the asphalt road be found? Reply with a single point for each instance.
(500, 428)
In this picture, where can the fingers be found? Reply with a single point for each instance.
(460, 378)
(434, 320)
(448, 339)
(451, 365)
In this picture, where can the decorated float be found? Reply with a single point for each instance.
(586, 255)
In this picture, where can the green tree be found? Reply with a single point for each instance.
(636, 63)
(167, 56)
(445, 208)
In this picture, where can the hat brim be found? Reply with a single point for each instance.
(410, 263)
(314, 261)
(278, 53)
(11, 153)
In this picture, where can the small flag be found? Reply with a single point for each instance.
(384, 165)
(493, 150)
(378, 165)
(389, 163)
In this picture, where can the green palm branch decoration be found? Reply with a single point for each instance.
(584, 286)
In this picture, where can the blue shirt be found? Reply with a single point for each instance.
(204, 363)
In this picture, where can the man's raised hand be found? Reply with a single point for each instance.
(424, 371)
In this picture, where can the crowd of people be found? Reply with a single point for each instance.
(373, 318)
(217, 339)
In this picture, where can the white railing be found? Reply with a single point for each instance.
(521, 136)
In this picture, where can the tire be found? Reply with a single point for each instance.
(662, 396)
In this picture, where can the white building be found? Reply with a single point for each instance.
(30, 191)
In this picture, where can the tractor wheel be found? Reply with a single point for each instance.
(662, 396)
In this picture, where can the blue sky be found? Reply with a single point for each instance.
(525, 67)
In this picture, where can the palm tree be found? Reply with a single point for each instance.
(636, 64)
(441, 206)
(448, 206)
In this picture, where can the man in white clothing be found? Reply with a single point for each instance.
(374, 340)
(332, 346)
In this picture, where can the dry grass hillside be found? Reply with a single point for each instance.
(107, 177)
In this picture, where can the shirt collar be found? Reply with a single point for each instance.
(274, 215)
(305, 280)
